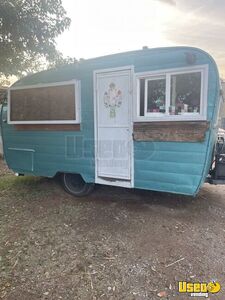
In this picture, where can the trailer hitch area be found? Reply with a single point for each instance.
(217, 170)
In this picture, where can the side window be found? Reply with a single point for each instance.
(172, 95)
(53, 104)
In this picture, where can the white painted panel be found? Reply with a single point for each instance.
(114, 153)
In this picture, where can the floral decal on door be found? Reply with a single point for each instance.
(112, 99)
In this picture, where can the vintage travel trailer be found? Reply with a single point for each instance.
(143, 119)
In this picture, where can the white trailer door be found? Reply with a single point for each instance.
(113, 124)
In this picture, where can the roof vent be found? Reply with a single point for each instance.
(190, 58)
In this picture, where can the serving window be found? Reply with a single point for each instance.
(179, 94)
(57, 103)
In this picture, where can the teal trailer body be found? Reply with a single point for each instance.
(177, 166)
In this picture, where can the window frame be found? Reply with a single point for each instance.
(77, 99)
(167, 73)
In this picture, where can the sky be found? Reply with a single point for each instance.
(102, 27)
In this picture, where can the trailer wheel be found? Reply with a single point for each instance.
(75, 185)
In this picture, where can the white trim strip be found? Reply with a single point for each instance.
(172, 71)
(41, 85)
(21, 149)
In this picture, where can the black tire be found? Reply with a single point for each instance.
(75, 185)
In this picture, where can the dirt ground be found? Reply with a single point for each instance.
(114, 244)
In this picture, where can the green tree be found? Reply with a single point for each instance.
(28, 29)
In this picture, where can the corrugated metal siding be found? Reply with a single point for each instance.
(174, 167)
(163, 166)
(53, 151)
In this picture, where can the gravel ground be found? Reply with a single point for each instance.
(114, 244)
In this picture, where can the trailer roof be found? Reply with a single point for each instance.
(73, 71)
